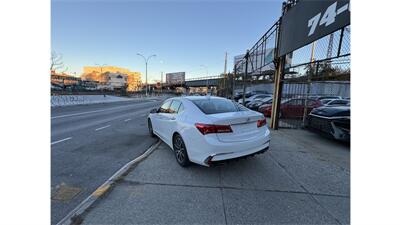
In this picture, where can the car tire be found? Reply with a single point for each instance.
(307, 122)
(150, 126)
(180, 151)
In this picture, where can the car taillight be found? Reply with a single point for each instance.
(211, 128)
(261, 123)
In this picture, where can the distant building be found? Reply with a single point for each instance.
(63, 79)
(97, 73)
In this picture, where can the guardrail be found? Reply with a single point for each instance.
(67, 100)
(64, 100)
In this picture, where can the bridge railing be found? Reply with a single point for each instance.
(205, 78)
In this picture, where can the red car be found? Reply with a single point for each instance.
(291, 108)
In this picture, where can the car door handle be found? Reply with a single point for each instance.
(173, 118)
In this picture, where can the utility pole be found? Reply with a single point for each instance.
(312, 52)
(305, 112)
(330, 46)
(161, 81)
(226, 58)
(233, 81)
(245, 77)
(101, 68)
(225, 76)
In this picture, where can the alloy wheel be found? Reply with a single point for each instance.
(179, 149)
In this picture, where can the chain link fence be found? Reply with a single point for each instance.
(318, 71)
(311, 73)
(254, 70)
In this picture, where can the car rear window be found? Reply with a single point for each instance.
(324, 101)
(214, 106)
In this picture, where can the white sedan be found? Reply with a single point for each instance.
(205, 130)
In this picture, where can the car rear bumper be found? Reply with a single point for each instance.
(208, 148)
(338, 127)
(223, 157)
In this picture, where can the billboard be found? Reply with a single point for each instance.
(259, 61)
(308, 21)
(175, 78)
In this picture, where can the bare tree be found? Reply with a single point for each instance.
(56, 61)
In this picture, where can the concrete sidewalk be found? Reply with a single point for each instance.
(303, 179)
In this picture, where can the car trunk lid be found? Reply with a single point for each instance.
(243, 124)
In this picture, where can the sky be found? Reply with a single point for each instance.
(183, 34)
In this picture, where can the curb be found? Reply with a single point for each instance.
(85, 204)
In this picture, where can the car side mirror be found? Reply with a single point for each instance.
(154, 110)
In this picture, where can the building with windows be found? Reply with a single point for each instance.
(63, 79)
(98, 73)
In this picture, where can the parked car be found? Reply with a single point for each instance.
(205, 129)
(56, 87)
(317, 97)
(238, 95)
(251, 93)
(253, 97)
(292, 108)
(254, 105)
(337, 102)
(332, 120)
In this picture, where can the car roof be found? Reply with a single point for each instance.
(330, 99)
(201, 97)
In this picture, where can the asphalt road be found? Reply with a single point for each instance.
(89, 143)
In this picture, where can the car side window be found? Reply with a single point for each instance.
(174, 106)
(164, 107)
(181, 108)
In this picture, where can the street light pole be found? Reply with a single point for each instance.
(101, 67)
(147, 85)
(146, 61)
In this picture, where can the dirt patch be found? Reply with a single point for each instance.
(65, 193)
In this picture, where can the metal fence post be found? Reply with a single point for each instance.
(278, 85)
(312, 70)
(245, 77)
(278, 79)
(308, 94)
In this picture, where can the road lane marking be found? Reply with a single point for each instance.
(135, 115)
(101, 128)
(55, 142)
(127, 120)
(95, 111)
